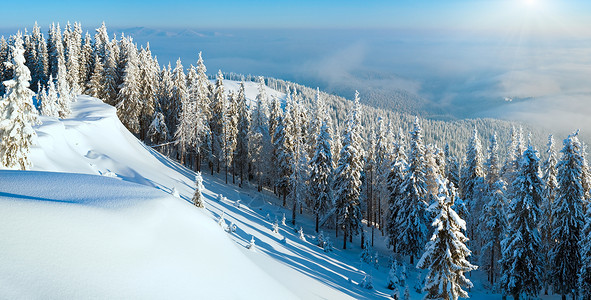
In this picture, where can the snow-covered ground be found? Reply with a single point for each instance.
(96, 219)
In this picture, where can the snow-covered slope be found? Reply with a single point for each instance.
(86, 236)
(96, 219)
(74, 236)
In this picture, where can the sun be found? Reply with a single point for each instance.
(530, 2)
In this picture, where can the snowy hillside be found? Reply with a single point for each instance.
(83, 236)
(101, 222)
(92, 236)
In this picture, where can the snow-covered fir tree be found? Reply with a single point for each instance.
(241, 152)
(17, 112)
(585, 246)
(567, 217)
(158, 131)
(128, 100)
(95, 86)
(396, 198)
(179, 102)
(452, 167)
(493, 220)
(321, 168)
(259, 139)
(411, 216)
(472, 182)
(65, 95)
(446, 253)
(216, 123)
(229, 133)
(347, 178)
(49, 99)
(198, 195)
(148, 75)
(378, 183)
(521, 261)
(198, 93)
(550, 173)
(284, 146)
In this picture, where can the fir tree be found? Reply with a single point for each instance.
(396, 198)
(218, 111)
(284, 146)
(347, 183)
(148, 76)
(241, 152)
(178, 102)
(259, 139)
(158, 131)
(49, 106)
(567, 218)
(521, 258)
(198, 196)
(472, 182)
(17, 112)
(64, 92)
(321, 168)
(493, 221)
(411, 215)
(230, 131)
(446, 253)
(95, 86)
(585, 246)
(550, 186)
(128, 100)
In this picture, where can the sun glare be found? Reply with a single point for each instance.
(530, 2)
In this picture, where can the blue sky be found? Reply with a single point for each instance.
(467, 56)
(450, 14)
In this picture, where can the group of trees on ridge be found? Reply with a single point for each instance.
(531, 218)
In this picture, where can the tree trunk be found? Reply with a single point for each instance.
(345, 240)
(317, 220)
(412, 259)
(293, 212)
(362, 240)
(492, 265)
(284, 200)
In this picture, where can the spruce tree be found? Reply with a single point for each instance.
(347, 182)
(396, 197)
(521, 260)
(17, 112)
(446, 253)
(567, 218)
(128, 100)
(218, 111)
(241, 152)
(200, 91)
(148, 87)
(493, 221)
(321, 167)
(550, 186)
(95, 86)
(259, 139)
(284, 147)
(49, 106)
(198, 196)
(411, 216)
(585, 246)
(230, 131)
(472, 183)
